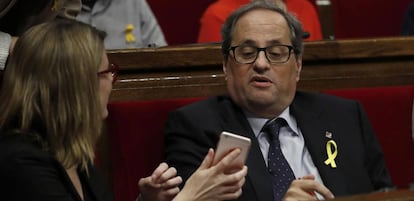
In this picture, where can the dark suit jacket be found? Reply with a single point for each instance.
(16, 16)
(191, 130)
(407, 26)
(29, 174)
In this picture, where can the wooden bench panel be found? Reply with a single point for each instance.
(196, 70)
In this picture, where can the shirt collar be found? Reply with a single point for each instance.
(257, 123)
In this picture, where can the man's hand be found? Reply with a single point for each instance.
(305, 189)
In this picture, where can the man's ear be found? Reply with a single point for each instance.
(298, 68)
(225, 69)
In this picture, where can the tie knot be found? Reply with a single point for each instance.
(272, 127)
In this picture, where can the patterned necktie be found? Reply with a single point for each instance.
(278, 167)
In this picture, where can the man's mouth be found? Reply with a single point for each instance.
(261, 81)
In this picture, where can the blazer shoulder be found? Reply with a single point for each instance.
(209, 105)
(321, 98)
(16, 148)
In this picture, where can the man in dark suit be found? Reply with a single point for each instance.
(327, 141)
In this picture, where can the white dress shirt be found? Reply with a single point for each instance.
(292, 144)
(5, 41)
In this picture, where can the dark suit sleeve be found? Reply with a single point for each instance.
(70, 9)
(5, 6)
(407, 27)
(188, 136)
(375, 162)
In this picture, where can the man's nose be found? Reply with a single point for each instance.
(261, 60)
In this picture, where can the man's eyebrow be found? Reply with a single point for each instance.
(248, 42)
(274, 42)
(251, 42)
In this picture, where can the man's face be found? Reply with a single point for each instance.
(262, 88)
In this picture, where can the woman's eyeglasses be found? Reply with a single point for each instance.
(113, 69)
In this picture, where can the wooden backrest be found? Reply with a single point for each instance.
(196, 70)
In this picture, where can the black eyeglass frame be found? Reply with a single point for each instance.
(113, 69)
(258, 50)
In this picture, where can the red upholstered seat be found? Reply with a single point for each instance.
(390, 111)
(368, 18)
(136, 141)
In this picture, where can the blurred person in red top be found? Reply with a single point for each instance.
(216, 13)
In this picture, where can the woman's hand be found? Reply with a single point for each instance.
(215, 182)
(162, 185)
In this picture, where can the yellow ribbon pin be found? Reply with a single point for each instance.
(331, 156)
(55, 5)
(129, 37)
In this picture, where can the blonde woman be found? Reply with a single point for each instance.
(52, 101)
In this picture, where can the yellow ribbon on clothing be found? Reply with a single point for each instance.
(331, 156)
(55, 5)
(129, 37)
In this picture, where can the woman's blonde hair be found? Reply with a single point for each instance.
(51, 88)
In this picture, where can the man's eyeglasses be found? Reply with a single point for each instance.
(113, 69)
(246, 54)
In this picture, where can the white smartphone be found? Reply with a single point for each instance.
(229, 141)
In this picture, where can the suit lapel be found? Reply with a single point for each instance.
(314, 125)
(258, 178)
